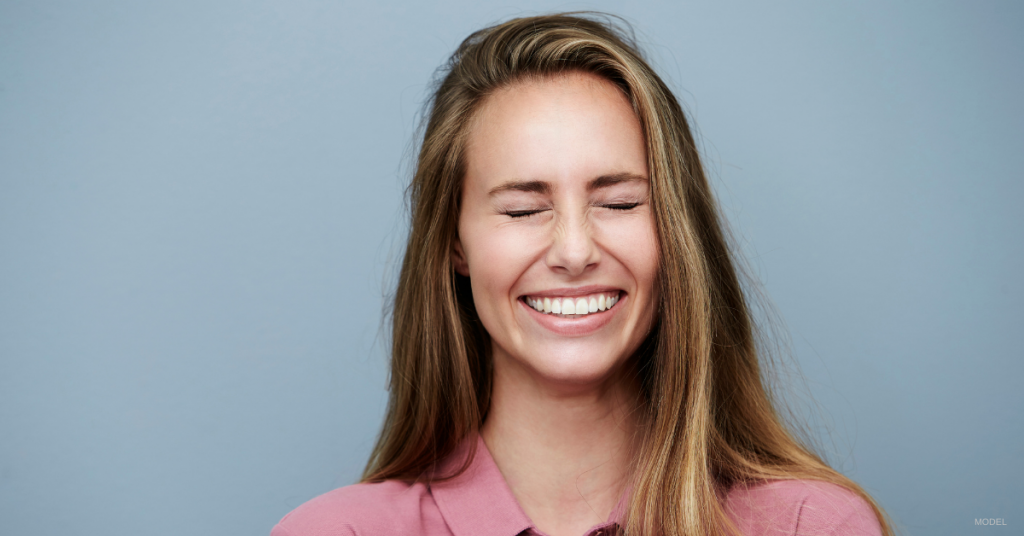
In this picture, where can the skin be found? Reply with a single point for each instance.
(556, 200)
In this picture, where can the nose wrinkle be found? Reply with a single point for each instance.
(573, 248)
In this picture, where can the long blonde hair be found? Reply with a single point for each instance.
(708, 419)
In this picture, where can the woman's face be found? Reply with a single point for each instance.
(556, 219)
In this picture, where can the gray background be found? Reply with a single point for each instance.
(201, 204)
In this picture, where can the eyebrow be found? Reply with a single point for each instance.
(541, 187)
(605, 181)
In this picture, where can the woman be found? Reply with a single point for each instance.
(572, 353)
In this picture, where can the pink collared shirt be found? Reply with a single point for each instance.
(479, 503)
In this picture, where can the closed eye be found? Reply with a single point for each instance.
(620, 206)
(519, 214)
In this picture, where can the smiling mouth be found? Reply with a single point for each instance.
(574, 307)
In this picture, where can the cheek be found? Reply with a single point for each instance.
(644, 257)
(636, 245)
(647, 252)
(497, 259)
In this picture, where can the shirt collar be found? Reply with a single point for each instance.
(478, 502)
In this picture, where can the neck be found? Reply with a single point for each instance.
(564, 452)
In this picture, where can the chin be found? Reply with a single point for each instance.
(577, 371)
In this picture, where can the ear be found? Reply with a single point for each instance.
(459, 258)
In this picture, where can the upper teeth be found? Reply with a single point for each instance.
(574, 306)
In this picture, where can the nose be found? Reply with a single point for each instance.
(573, 250)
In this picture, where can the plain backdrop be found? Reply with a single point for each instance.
(201, 209)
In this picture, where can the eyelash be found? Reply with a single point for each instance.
(621, 206)
(519, 214)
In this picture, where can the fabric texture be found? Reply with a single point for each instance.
(478, 502)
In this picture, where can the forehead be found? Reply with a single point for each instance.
(528, 90)
(573, 125)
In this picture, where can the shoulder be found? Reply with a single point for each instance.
(800, 507)
(389, 507)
